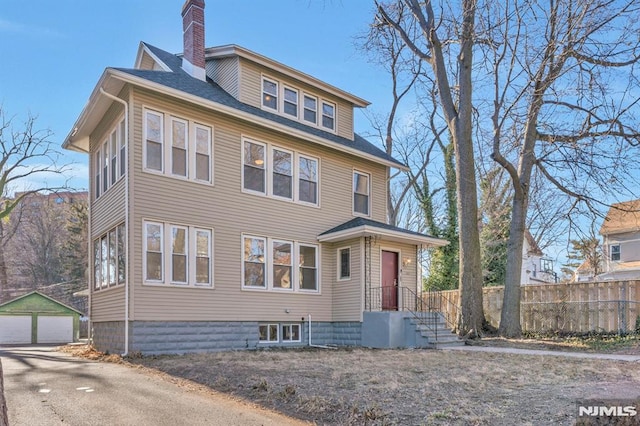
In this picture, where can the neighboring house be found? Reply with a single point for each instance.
(584, 272)
(232, 204)
(536, 269)
(621, 242)
(38, 318)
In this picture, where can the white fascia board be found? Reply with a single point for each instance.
(365, 230)
(141, 82)
(235, 50)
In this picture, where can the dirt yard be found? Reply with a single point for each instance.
(408, 387)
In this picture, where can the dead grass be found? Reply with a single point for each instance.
(408, 387)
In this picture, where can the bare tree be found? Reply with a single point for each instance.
(448, 51)
(559, 102)
(26, 158)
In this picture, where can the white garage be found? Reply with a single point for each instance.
(37, 318)
(15, 329)
(55, 329)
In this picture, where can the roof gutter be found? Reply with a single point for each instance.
(128, 78)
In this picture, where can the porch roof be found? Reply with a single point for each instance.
(363, 227)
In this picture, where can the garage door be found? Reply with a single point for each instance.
(55, 329)
(15, 329)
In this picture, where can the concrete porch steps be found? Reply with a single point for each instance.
(432, 332)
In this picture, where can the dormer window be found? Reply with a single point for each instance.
(270, 94)
(328, 115)
(310, 109)
(296, 104)
(291, 102)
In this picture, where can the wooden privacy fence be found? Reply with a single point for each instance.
(609, 306)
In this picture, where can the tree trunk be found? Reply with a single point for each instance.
(510, 316)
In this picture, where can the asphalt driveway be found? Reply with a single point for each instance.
(46, 387)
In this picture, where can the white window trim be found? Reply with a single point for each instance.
(295, 266)
(353, 192)
(167, 255)
(186, 254)
(322, 115)
(192, 158)
(315, 98)
(611, 252)
(97, 184)
(284, 100)
(169, 157)
(265, 287)
(163, 142)
(291, 325)
(167, 145)
(298, 266)
(271, 266)
(97, 284)
(268, 170)
(271, 171)
(297, 180)
(269, 325)
(265, 168)
(339, 264)
(280, 86)
(106, 154)
(278, 94)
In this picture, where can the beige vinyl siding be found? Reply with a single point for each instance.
(344, 120)
(226, 73)
(347, 294)
(108, 305)
(147, 62)
(251, 93)
(224, 208)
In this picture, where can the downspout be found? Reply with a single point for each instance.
(126, 217)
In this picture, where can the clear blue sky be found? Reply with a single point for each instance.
(53, 52)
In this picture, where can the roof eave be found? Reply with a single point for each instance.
(139, 81)
(235, 50)
(388, 234)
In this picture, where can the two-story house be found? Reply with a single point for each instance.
(233, 206)
(621, 242)
(536, 268)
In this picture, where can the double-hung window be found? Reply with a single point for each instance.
(282, 267)
(105, 166)
(178, 255)
(270, 94)
(254, 175)
(282, 173)
(361, 190)
(154, 233)
(109, 261)
(123, 148)
(97, 262)
(179, 146)
(273, 264)
(122, 254)
(307, 179)
(328, 115)
(254, 270)
(308, 261)
(154, 140)
(113, 142)
(97, 166)
(615, 252)
(290, 106)
(203, 153)
(179, 244)
(310, 113)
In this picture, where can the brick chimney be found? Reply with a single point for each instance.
(193, 36)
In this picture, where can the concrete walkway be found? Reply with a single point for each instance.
(44, 387)
(587, 355)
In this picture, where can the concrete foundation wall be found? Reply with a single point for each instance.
(175, 337)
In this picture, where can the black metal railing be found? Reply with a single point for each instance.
(437, 301)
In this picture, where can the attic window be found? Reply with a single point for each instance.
(270, 94)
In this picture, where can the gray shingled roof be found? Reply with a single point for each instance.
(178, 79)
(361, 221)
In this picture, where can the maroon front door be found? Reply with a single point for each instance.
(389, 281)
